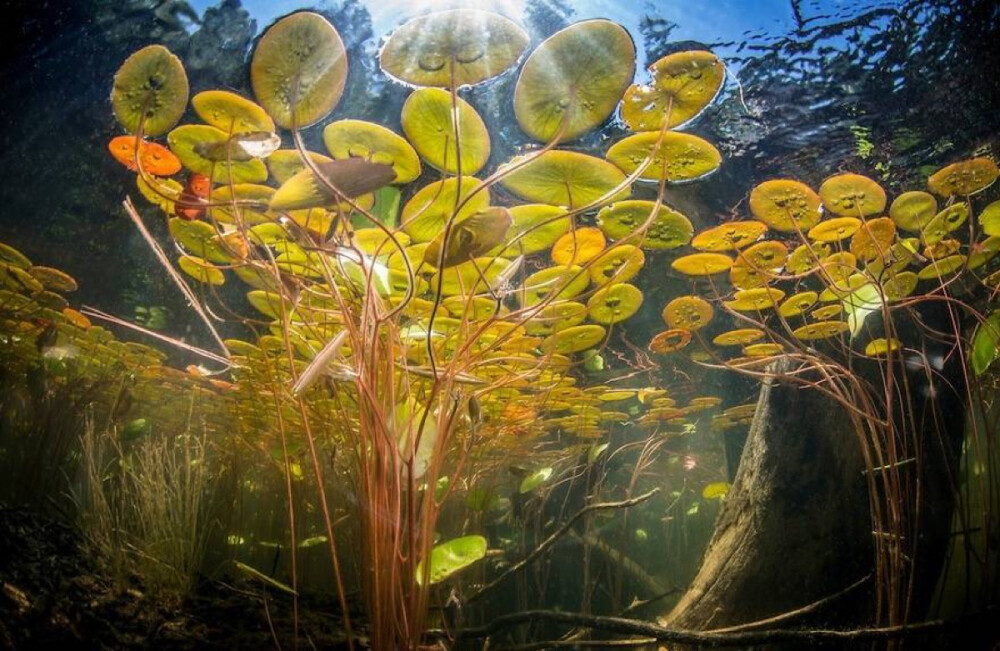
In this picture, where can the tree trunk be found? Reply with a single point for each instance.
(797, 527)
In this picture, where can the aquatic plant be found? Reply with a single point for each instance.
(413, 329)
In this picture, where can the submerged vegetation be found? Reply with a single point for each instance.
(444, 368)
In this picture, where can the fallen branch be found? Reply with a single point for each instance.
(633, 627)
(551, 540)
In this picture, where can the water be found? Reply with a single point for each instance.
(580, 390)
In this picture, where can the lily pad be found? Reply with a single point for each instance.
(683, 84)
(667, 230)
(786, 205)
(563, 178)
(188, 140)
(231, 113)
(574, 80)
(678, 158)
(852, 195)
(300, 63)
(459, 47)
(964, 177)
(424, 216)
(614, 303)
(372, 142)
(150, 89)
(428, 122)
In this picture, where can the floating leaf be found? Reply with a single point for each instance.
(574, 80)
(428, 120)
(375, 143)
(150, 89)
(683, 84)
(563, 178)
(986, 344)
(459, 47)
(299, 63)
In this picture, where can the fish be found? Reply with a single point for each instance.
(240, 148)
(470, 238)
(190, 204)
(354, 177)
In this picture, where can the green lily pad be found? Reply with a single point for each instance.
(574, 80)
(150, 89)
(426, 213)
(427, 121)
(300, 63)
(452, 556)
(459, 47)
(563, 178)
(189, 140)
(372, 142)
(286, 163)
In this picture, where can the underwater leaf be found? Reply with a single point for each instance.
(300, 63)
(986, 344)
(595, 451)
(150, 90)
(459, 47)
(574, 80)
(452, 556)
(716, 490)
(534, 480)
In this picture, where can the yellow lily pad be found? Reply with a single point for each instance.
(688, 312)
(186, 141)
(578, 246)
(806, 257)
(738, 337)
(989, 219)
(559, 283)
(880, 347)
(573, 339)
(946, 221)
(786, 205)
(201, 270)
(373, 142)
(943, 268)
(679, 157)
(428, 122)
(299, 70)
(797, 304)
(231, 113)
(150, 89)
(618, 264)
(352, 177)
(820, 330)
(574, 80)
(683, 84)
(852, 195)
(964, 177)
(702, 264)
(754, 300)
(834, 230)
(53, 279)
(555, 316)
(729, 236)
(874, 239)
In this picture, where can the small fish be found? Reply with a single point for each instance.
(470, 238)
(240, 148)
(190, 205)
(354, 177)
(324, 363)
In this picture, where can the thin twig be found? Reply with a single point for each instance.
(663, 634)
(548, 542)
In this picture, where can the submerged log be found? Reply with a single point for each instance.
(795, 527)
(797, 524)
